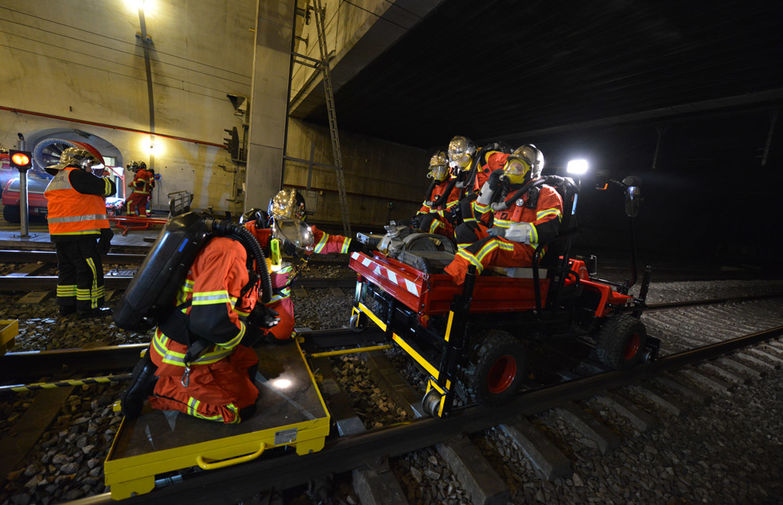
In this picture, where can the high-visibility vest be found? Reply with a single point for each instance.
(71, 212)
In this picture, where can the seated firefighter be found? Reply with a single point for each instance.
(442, 196)
(522, 217)
(487, 160)
(201, 361)
(285, 221)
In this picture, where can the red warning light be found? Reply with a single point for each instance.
(20, 159)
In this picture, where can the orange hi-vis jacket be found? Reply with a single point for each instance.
(548, 207)
(428, 206)
(216, 384)
(71, 212)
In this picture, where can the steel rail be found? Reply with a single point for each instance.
(36, 364)
(233, 484)
(120, 282)
(20, 256)
(710, 301)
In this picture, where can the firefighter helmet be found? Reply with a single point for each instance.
(461, 151)
(259, 216)
(78, 156)
(439, 166)
(287, 204)
(533, 156)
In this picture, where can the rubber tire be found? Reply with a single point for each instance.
(614, 338)
(11, 213)
(497, 346)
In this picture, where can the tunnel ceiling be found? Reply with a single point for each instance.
(495, 68)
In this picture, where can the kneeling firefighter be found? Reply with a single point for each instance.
(284, 221)
(199, 284)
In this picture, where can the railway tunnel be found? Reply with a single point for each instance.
(346, 101)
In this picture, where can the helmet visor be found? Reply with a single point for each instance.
(438, 172)
(517, 170)
(294, 231)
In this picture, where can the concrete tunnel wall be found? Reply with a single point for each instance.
(83, 63)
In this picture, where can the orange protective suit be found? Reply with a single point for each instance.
(217, 384)
(477, 247)
(435, 206)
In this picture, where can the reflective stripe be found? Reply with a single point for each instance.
(234, 341)
(94, 290)
(211, 298)
(471, 259)
(481, 209)
(66, 290)
(76, 219)
(321, 243)
(106, 186)
(548, 212)
(488, 248)
(178, 359)
(533, 235)
(434, 225)
(346, 244)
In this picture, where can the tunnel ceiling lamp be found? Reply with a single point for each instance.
(148, 6)
(154, 146)
(578, 167)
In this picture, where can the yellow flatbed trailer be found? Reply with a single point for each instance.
(290, 411)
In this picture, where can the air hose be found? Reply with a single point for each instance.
(250, 243)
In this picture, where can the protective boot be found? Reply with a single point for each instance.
(142, 383)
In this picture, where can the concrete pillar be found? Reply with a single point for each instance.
(268, 100)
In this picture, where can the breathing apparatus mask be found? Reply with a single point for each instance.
(438, 168)
(461, 151)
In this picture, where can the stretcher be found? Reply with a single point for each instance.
(290, 411)
(126, 223)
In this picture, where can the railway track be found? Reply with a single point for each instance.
(352, 452)
(751, 364)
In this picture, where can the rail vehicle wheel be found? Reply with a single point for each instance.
(356, 323)
(498, 368)
(621, 342)
(431, 402)
(11, 213)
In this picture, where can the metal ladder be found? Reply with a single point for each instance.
(323, 66)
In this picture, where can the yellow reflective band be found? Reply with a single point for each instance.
(211, 298)
(488, 248)
(234, 341)
(346, 244)
(533, 235)
(471, 259)
(448, 325)
(241, 313)
(548, 212)
(506, 246)
(84, 232)
(372, 316)
(321, 243)
(106, 187)
(452, 204)
(480, 208)
(502, 223)
(76, 219)
(416, 356)
(434, 225)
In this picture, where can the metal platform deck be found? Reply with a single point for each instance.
(289, 412)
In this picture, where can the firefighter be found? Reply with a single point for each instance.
(442, 196)
(141, 185)
(521, 219)
(79, 228)
(285, 221)
(201, 361)
(488, 159)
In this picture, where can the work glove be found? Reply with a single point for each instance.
(290, 249)
(453, 215)
(520, 232)
(496, 231)
(495, 181)
(356, 245)
(104, 243)
(263, 317)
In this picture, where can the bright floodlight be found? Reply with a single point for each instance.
(577, 167)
